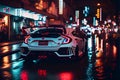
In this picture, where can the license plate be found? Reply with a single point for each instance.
(43, 42)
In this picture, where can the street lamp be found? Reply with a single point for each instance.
(98, 4)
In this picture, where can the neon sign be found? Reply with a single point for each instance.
(60, 6)
(27, 14)
(86, 11)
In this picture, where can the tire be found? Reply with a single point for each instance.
(76, 51)
(76, 56)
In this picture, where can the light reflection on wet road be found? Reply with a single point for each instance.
(99, 64)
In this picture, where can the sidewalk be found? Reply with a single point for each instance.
(3, 52)
(9, 43)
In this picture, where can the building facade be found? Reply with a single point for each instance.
(18, 13)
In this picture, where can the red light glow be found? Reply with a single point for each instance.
(24, 75)
(66, 76)
(42, 72)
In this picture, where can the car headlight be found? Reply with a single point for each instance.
(66, 40)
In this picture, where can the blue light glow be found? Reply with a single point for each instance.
(86, 11)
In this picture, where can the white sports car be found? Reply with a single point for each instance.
(56, 39)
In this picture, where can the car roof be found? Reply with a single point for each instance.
(55, 27)
(52, 27)
(58, 26)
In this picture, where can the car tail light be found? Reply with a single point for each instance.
(26, 39)
(66, 40)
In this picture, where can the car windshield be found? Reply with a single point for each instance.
(48, 32)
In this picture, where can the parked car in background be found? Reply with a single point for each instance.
(54, 40)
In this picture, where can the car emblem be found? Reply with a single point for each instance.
(43, 38)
